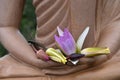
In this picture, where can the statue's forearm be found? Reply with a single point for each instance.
(16, 44)
(10, 16)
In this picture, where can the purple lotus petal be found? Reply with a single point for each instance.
(66, 42)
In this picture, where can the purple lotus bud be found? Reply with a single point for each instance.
(65, 41)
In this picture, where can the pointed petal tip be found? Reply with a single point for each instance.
(87, 28)
(74, 62)
(60, 32)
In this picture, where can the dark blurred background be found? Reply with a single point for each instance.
(28, 24)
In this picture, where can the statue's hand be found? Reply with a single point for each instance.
(83, 64)
(42, 63)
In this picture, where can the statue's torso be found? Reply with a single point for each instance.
(74, 14)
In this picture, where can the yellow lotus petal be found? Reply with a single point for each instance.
(57, 54)
(61, 54)
(55, 59)
(52, 52)
(93, 51)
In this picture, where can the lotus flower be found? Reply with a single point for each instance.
(73, 51)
